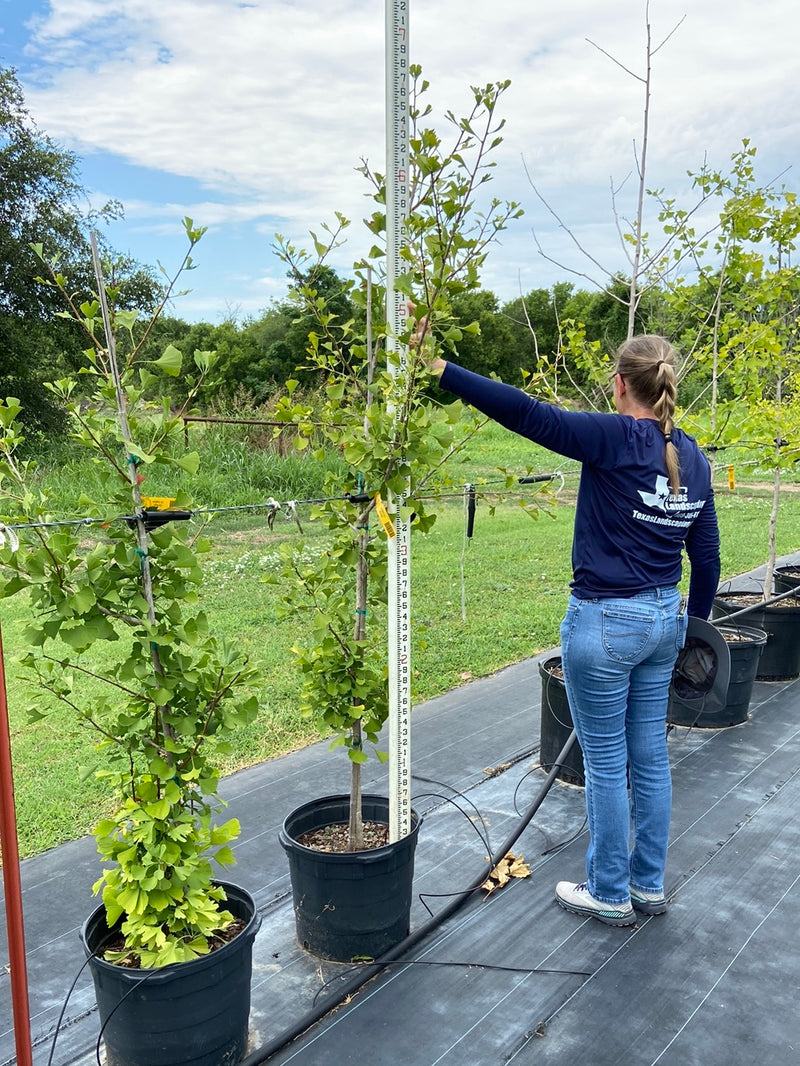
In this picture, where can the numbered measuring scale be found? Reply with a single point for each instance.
(399, 543)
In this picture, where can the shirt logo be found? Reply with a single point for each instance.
(681, 510)
(663, 499)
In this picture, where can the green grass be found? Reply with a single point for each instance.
(238, 465)
(507, 605)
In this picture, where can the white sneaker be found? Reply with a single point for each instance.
(648, 902)
(579, 900)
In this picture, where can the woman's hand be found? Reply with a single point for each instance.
(421, 338)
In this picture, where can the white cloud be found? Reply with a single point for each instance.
(254, 97)
(270, 104)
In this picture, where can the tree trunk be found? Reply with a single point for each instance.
(776, 494)
(773, 527)
(356, 825)
(634, 295)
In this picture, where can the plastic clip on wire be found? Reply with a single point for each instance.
(292, 515)
(469, 493)
(154, 519)
(274, 509)
(289, 509)
(6, 532)
(533, 479)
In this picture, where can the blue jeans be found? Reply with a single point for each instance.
(618, 656)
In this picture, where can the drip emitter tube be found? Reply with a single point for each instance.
(370, 970)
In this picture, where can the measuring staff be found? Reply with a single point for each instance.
(399, 544)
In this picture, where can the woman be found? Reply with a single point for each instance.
(645, 493)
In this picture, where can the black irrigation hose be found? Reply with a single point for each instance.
(753, 606)
(266, 1051)
(298, 1027)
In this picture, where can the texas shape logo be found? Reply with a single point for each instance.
(659, 499)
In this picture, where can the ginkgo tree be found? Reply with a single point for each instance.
(173, 691)
(744, 301)
(380, 415)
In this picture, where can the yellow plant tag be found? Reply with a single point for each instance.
(158, 503)
(383, 515)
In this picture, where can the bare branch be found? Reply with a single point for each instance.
(613, 60)
(620, 233)
(674, 30)
(570, 234)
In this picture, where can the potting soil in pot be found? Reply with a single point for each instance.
(780, 660)
(191, 1014)
(348, 904)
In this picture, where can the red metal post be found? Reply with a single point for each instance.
(11, 882)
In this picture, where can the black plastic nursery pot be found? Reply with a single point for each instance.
(191, 1014)
(556, 725)
(349, 905)
(745, 646)
(786, 578)
(780, 659)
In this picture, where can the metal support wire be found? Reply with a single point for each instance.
(290, 506)
(7, 530)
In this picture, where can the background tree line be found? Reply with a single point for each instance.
(564, 331)
(42, 200)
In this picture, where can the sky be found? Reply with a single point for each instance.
(252, 116)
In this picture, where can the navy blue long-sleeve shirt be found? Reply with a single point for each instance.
(630, 530)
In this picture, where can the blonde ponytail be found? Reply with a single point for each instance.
(648, 365)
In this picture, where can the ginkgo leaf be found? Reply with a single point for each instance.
(510, 865)
(520, 868)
